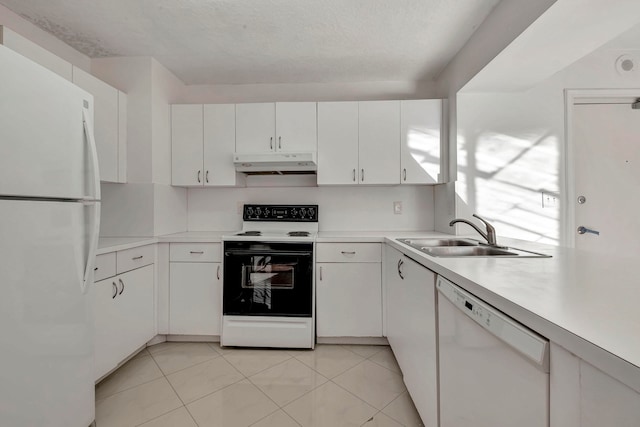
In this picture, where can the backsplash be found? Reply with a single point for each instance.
(357, 208)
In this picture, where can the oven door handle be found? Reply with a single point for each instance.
(267, 253)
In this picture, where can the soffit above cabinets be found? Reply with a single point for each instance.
(270, 41)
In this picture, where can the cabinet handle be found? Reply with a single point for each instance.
(404, 174)
(199, 176)
(135, 258)
(362, 175)
(196, 252)
(218, 273)
(122, 289)
(95, 269)
(320, 273)
(400, 262)
(354, 175)
(280, 142)
(115, 290)
(207, 177)
(348, 252)
(271, 143)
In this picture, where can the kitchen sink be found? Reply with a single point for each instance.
(456, 247)
(428, 243)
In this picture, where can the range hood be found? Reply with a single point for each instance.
(276, 163)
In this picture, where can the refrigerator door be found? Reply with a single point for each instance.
(46, 322)
(43, 149)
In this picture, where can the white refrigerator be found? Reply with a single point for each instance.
(49, 222)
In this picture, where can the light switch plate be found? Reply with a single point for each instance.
(397, 208)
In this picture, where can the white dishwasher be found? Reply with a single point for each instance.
(494, 372)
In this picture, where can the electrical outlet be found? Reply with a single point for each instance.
(397, 208)
(549, 200)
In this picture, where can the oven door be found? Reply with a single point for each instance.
(268, 279)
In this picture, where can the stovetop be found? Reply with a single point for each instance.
(278, 223)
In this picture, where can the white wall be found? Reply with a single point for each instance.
(511, 147)
(340, 208)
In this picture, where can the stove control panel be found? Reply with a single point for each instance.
(280, 213)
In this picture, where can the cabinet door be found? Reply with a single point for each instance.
(296, 127)
(349, 300)
(605, 401)
(108, 325)
(420, 140)
(187, 145)
(338, 143)
(106, 115)
(393, 283)
(379, 145)
(195, 298)
(122, 137)
(255, 128)
(219, 144)
(136, 308)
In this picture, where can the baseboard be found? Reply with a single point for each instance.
(353, 340)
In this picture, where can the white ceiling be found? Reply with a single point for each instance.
(268, 41)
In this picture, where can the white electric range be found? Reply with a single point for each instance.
(269, 285)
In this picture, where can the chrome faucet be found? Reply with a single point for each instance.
(489, 236)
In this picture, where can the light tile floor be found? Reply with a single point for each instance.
(203, 384)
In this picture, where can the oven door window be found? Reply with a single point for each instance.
(268, 283)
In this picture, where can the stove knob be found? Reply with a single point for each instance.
(258, 211)
(294, 212)
(312, 213)
(303, 212)
(249, 211)
(267, 213)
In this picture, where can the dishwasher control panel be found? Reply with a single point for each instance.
(522, 339)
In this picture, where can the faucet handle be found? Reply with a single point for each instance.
(491, 231)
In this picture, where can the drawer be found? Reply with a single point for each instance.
(105, 266)
(348, 252)
(195, 252)
(130, 259)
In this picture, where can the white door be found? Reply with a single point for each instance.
(296, 127)
(219, 144)
(349, 300)
(42, 144)
(255, 128)
(337, 143)
(379, 146)
(105, 125)
(195, 298)
(606, 140)
(46, 321)
(136, 308)
(187, 145)
(420, 140)
(108, 325)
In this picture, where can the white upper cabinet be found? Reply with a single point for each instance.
(338, 143)
(110, 126)
(420, 126)
(219, 144)
(187, 149)
(271, 127)
(296, 127)
(202, 145)
(379, 142)
(35, 52)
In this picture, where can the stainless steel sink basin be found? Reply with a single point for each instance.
(429, 243)
(452, 251)
(456, 247)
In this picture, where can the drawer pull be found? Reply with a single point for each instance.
(135, 258)
(196, 252)
(115, 290)
(121, 290)
(320, 273)
(218, 273)
(348, 252)
(95, 269)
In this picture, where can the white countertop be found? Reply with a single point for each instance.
(585, 302)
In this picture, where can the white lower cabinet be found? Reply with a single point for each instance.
(195, 289)
(124, 316)
(348, 290)
(411, 329)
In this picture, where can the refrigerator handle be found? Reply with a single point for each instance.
(94, 227)
(93, 153)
